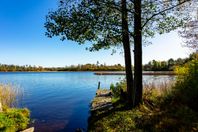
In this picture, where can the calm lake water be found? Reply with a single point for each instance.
(59, 101)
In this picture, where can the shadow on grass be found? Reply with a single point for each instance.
(167, 115)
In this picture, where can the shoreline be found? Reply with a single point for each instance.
(100, 72)
(57, 71)
(144, 73)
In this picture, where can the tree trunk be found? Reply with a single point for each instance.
(137, 53)
(127, 54)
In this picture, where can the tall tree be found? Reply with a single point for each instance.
(138, 52)
(157, 9)
(103, 22)
(127, 54)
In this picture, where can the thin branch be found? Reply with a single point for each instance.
(130, 33)
(114, 6)
(111, 5)
(170, 8)
(132, 1)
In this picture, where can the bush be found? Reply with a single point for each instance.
(119, 90)
(13, 119)
(186, 88)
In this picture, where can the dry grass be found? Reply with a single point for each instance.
(161, 89)
(10, 95)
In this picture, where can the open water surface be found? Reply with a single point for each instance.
(59, 101)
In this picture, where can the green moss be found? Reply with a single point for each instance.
(115, 99)
(13, 119)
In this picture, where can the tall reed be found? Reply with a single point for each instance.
(10, 95)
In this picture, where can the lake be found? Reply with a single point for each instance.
(59, 101)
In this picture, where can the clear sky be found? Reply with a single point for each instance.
(23, 40)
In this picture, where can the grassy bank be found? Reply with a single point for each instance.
(12, 119)
(166, 107)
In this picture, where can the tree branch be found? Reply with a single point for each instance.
(163, 12)
(113, 6)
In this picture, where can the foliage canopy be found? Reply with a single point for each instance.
(99, 21)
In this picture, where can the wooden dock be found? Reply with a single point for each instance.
(169, 73)
(102, 101)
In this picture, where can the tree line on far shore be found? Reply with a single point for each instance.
(168, 65)
(153, 65)
(85, 67)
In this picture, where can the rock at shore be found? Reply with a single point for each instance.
(29, 130)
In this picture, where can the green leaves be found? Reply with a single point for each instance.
(99, 21)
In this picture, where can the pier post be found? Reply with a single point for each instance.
(1, 109)
(99, 85)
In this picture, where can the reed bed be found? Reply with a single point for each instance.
(10, 95)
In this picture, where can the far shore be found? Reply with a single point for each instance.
(57, 71)
(102, 72)
(144, 73)
(61, 71)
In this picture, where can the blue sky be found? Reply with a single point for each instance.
(23, 40)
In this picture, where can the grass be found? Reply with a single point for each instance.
(12, 119)
(10, 95)
(157, 113)
(167, 107)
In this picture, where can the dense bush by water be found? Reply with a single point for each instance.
(12, 119)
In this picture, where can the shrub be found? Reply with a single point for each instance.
(119, 90)
(186, 88)
(13, 119)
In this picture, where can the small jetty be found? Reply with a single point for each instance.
(169, 73)
(102, 100)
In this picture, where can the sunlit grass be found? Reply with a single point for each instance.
(12, 119)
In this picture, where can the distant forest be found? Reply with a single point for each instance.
(150, 66)
(167, 65)
(85, 67)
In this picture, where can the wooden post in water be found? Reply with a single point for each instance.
(1, 109)
(99, 85)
